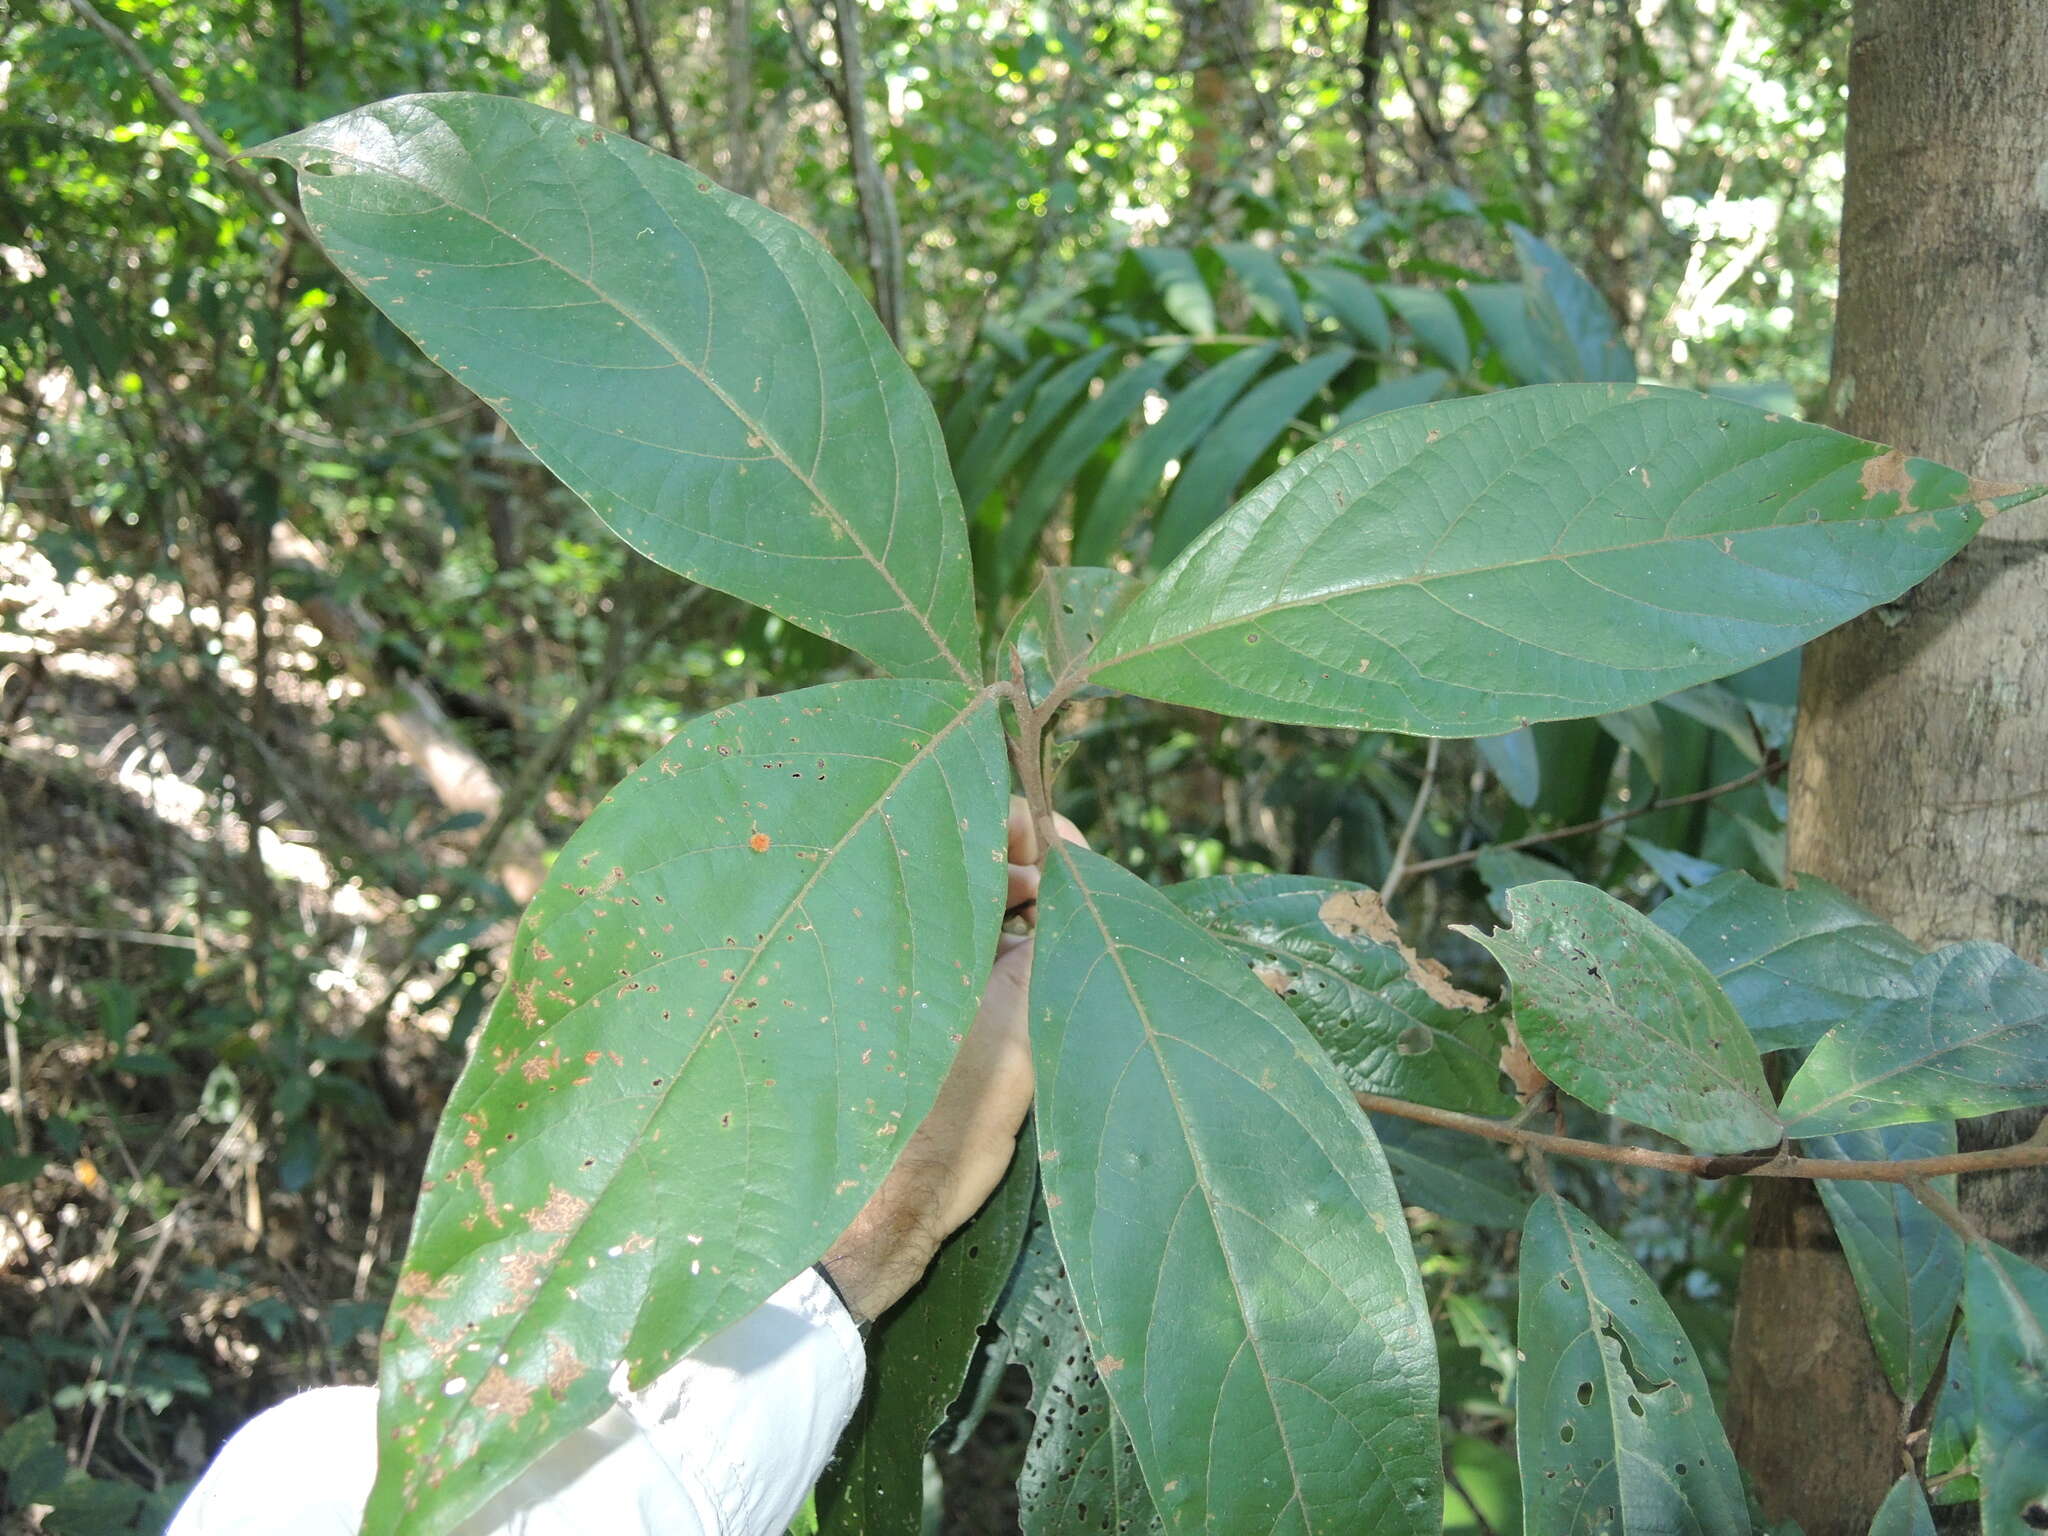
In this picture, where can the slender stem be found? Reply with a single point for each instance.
(1397, 871)
(1768, 769)
(1910, 1171)
(643, 44)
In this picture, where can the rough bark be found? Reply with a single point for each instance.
(1920, 775)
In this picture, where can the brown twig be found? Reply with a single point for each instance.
(643, 46)
(1768, 769)
(1399, 869)
(1760, 1165)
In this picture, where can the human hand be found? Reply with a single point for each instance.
(960, 1152)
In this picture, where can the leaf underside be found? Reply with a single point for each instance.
(696, 368)
(1466, 567)
(1234, 1240)
(733, 998)
(2006, 1308)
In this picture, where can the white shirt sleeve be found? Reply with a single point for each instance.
(725, 1443)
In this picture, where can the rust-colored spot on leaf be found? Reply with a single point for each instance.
(1521, 1068)
(1886, 475)
(500, 1393)
(560, 1213)
(1109, 1365)
(1362, 913)
(1277, 978)
(760, 842)
(564, 1369)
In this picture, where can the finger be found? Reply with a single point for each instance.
(1068, 830)
(1023, 834)
(1023, 889)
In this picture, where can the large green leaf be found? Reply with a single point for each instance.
(1080, 1474)
(1392, 1023)
(736, 992)
(1904, 1511)
(1209, 478)
(1614, 1425)
(1233, 1237)
(1972, 1039)
(1620, 1014)
(1907, 1264)
(1135, 475)
(1569, 317)
(2005, 1304)
(1796, 960)
(1463, 568)
(696, 368)
(918, 1361)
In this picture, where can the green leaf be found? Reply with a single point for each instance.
(1077, 442)
(739, 986)
(1795, 961)
(1972, 1039)
(1569, 317)
(1395, 394)
(1614, 1426)
(1463, 568)
(983, 468)
(2005, 1307)
(1904, 1511)
(1272, 290)
(1502, 869)
(1352, 302)
(1053, 632)
(1907, 1264)
(1209, 479)
(1181, 289)
(1952, 1437)
(1392, 1024)
(1452, 1174)
(1290, 1386)
(1435, 322)
(1621, 1015)
(1135, 475)
(1515, 762)
(768, 441)
(918, 1360)
(1503, 310)
(1080, 1471)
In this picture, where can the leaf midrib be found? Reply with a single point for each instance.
(768, 438)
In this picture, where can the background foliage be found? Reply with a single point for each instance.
(306, 662)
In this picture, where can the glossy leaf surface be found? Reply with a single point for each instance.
(1795, 962)
(1391, 1022)
(1569, 317)
(1907, 1264)
(1971, 1040)
(918, 1360)
(1234, 1240)
(1621, 1015)
(1463, 568)
(2006, 1307)
(1080, 1474)
(1615, 1427)
(696, 368)
(734, 996)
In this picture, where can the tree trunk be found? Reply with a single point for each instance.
(1920, 772)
